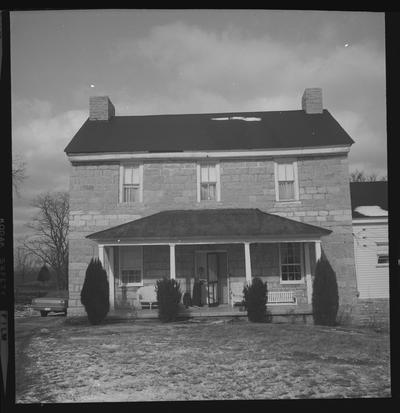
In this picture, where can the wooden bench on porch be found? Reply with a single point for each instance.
(281, 298)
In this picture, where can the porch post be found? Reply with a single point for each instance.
(111, 276)
(106, 258)
(101, 254)
(308, 272)
(172, 261)
(317, 250)
(247, 260)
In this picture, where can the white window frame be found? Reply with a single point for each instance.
(218, 182)
(120, 283)
(301, 281)
(296, 179)
(121, 182)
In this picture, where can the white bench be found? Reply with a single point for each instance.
(147, 296)
(281, 298)
(236, 293)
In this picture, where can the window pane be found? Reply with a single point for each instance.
(131, 276)
(281, 172)
(291, 261)
(286, 190)
(296, 269)
(204, 173)
(131, 193)
(207, 192)
(211, 191)
(127, 175)
(208, 173)
(131, 175)
(383, 259)
(289, 172)
(212, 174)
(285, 172)
(204, 192)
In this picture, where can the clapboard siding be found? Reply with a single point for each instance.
(372, 279)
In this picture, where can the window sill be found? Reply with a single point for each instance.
(131, 285)
(291, 282)
(289, 202)
(130, 203)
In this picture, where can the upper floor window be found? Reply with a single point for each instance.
(131, 186)
(291, 262)
(208, 182)
(286, 181)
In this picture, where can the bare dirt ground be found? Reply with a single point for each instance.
(62, 361)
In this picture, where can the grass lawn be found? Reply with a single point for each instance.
(148, 360)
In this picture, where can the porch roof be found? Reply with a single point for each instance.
(181, 225)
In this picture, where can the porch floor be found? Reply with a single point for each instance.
(223, 310)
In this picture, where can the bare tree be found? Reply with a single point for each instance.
(24, 263)
(361, 176)
(50, 228)
(18, 173)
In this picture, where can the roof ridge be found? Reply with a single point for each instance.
(211, 113)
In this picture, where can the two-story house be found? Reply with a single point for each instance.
(222, 197)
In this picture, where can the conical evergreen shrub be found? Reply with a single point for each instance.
(44, 274)
(255, 300)
(325, 297)
(95, 292)
(168, 298)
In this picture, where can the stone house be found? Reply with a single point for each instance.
(220, 197)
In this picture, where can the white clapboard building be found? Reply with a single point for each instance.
(371, 243)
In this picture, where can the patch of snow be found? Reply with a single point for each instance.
(372, 211)
(245, 118)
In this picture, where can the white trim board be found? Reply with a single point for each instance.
(227, 154)
(375, 220)
(205, 242)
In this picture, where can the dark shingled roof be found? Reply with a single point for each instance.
(368, 194)
(197, 132)
(209, 223)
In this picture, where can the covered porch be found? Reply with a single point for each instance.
(220, 249)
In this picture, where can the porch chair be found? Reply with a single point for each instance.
(147, 297)
(236, 293)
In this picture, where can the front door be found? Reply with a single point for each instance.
(212, 279)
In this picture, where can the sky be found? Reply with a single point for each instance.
(188, 61)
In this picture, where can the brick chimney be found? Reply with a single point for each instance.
(101, 108)
(311, 102)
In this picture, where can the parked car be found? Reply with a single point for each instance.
(53, 301)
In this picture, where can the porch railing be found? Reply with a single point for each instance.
(281, 297)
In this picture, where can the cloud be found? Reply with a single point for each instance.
(239, 67)
(39, 136)
(369, 152)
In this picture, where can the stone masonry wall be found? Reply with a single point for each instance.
(372, 313)
(324, 201)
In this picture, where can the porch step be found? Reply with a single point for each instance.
(277, 312)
